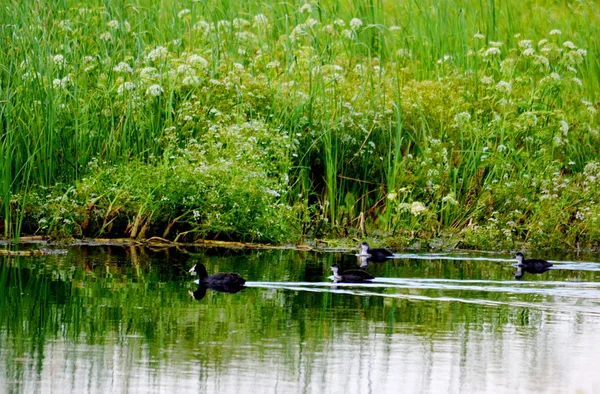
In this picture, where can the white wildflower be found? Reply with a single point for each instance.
(123, 67)
(59, 60)
(157, 53)
(197, 60)
(496, 44)
(190, 80)
(492, 51)
(504, 86)
(525, 44)
(555, 32)
(529, 52)
(542, 42)
(126, 86)
(154, 90)
(339, 22)
(479, 36)
(417, 208)
(273, 64)
(501, 148)
(487, 80)
(183, 13)
(555, 76)
(147, 73)
(582, 52)
(65, 25)
(355, 24)
(311, 22)
(306, 8)
(569, 44)
(564, 127)
(114, 24)
(450, 199)
(106, 36)
(462, 117)
(260, 19)
(329, 29)
(240, 23)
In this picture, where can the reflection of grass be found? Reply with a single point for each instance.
(137, 300)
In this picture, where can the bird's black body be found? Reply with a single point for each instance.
(531, 266)
(350, 276)
(374, 254)
(228, 282)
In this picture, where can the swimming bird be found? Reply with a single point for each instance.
(374, 254)
(532, 266)
(350, 276)
(223, 281)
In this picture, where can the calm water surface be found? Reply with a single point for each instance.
(121, 319)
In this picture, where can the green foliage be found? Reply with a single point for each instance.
(368, 110)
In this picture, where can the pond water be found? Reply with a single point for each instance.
(121, 319)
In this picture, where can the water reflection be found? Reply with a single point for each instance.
(121, 319)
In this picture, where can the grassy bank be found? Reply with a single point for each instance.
(268, 121)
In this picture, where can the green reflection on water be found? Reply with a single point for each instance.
(94, 300)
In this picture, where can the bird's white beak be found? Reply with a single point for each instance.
(193, 270)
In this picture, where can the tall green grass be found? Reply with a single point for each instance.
(366, 96)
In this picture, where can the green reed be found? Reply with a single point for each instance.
(372, 98)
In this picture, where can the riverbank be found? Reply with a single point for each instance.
(272, 125)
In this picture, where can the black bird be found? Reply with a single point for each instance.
(374, 254)
(350, 276)
(223, 281)
(532, 266)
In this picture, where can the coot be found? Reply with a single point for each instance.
(374, 254)
(350, 276)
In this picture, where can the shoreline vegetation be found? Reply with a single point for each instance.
(418, 123)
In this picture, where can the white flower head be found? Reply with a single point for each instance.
(273, 64)
(154, 90)
(479, 36)
(157, 53)
(124, 87)
(417, 208)
(306, 8)
(65, 25)
(462, 117)
(197, 60)
(123, 67)
(564, 127)
(487, 80)
(59, 60)
(555, 32)
(569, 44)
(529, 52)
(525, 44)
(183, 13)
(355, 24)
(114, 24)
(260, 19)
(504, 86)
(492, 51)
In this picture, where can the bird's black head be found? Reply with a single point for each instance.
(199, 269)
